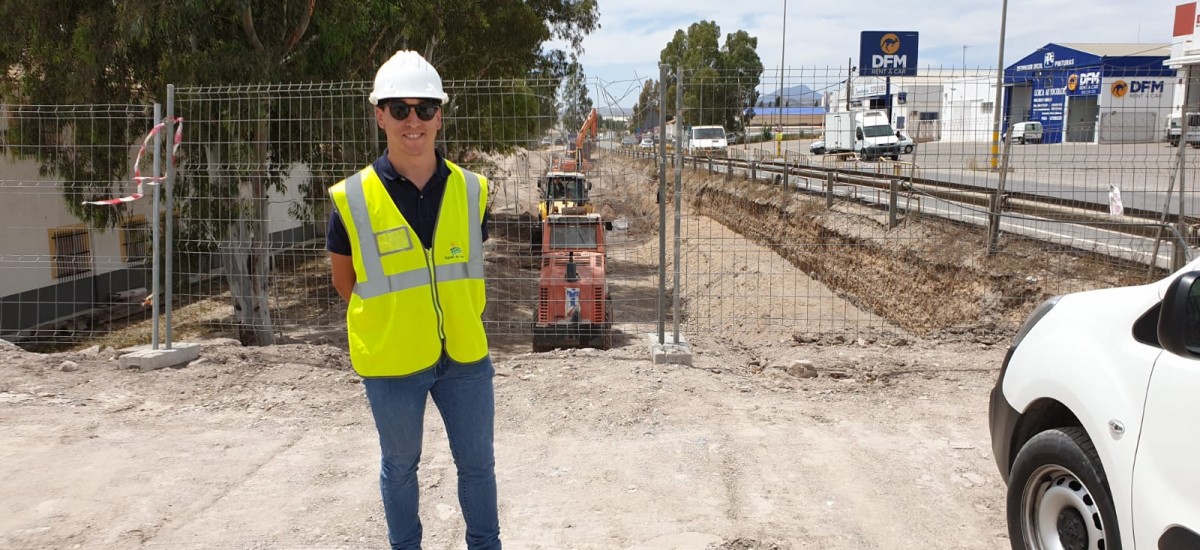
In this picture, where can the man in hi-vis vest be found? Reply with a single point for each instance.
(406, 246)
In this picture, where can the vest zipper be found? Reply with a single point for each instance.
(437, 301)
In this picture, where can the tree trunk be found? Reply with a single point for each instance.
(247, 264)
(249, 257)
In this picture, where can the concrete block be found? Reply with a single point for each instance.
(181, 353)
(670, 353)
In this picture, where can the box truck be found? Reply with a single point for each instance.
(707, 141)
(868, 133)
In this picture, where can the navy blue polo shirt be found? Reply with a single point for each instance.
(419, 207)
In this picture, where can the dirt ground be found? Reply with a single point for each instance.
(791, 445)
(769, 440)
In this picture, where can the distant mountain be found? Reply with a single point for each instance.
(795, 96)
(609, 112)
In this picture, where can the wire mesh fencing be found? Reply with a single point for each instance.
(70, 270)
(252, 187)
(792, 223)
(911, 204)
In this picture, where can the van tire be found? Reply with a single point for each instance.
(1062, 461)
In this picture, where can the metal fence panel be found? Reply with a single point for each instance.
(778, 238)
(69, 271)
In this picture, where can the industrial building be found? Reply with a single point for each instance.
(1093, 93)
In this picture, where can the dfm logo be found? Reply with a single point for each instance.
(889, 62)
(1084, 82)
(1121, 88)
(889, 43)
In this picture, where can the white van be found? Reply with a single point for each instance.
(1026, 132)
(1093, 419)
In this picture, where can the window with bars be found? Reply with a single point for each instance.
(70, 251)
(135, 239)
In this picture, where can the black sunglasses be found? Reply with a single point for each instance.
(426, 110)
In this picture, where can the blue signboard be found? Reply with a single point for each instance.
(1049, 106)
(888, 53)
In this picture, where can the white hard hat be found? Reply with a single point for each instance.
(407, 74)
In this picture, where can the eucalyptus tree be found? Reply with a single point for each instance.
(99, 52)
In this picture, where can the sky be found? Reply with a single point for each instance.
(819, 35)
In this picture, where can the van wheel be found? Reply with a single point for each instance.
(908, 149)
(1021, 141)
(1058, 496)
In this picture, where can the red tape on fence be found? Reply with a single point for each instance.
(137, 172)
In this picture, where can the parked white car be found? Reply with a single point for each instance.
(1026, 132)
(1094, 419)
(817, 147)
(906, 144)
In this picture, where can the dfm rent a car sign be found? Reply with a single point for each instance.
(888, 53)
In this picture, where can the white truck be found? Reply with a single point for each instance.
(707, 141)
(868, 133)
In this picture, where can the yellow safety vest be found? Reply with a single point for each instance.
(409, 304)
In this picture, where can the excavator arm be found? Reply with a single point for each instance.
(588, 129)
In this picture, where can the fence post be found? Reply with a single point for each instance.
(155, 301)
(168, 277)
(893, 190)
(662, 212)
(1179, 255)
(829, 179)
(786, 169)
(678, 198)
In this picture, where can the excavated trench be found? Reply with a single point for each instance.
(928, 276)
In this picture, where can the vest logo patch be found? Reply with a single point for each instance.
(456, 252)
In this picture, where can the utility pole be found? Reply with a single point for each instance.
(965, 46)
(996, 116)
(781, 56)
(849, 75)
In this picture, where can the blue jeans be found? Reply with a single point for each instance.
(464, 397)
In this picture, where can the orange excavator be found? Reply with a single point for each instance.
(580, 160)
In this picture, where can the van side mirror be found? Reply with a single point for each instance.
(858, 133)
(1179, 317)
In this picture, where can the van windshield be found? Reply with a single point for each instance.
(879, 130)
(708, 133)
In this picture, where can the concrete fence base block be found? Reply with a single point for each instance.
(181, 353)
(670, 353)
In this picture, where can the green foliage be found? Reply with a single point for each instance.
(99, 52)
(720, 81)
(645, 111)
(576, 103)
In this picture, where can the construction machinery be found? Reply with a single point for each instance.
(579, 159)
(560, 193)
(574, 307)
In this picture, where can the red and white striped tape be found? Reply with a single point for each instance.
(137, 173)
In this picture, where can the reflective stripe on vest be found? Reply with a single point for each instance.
(375, 283)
